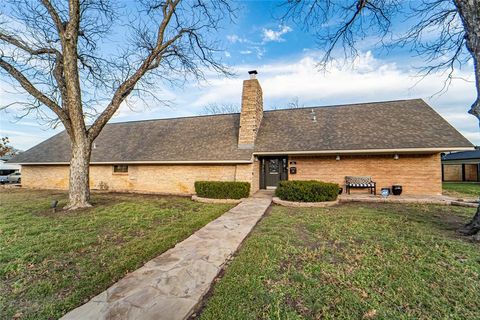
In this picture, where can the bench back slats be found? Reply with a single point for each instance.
(358, 179)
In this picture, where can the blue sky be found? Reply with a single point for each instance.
(286, 58)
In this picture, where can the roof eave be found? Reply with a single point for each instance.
(144, 162)
(365, 151)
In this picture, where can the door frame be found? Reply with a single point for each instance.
(263, 169)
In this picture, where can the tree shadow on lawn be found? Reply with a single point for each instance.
(101, 200)
(445, 219)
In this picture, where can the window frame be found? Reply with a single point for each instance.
(116, 166)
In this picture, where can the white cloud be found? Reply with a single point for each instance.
(367, 79)
(276, 36)
(233, 38)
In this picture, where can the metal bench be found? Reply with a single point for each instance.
(360, 182)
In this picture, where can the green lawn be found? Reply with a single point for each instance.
(353, 261)
(51, 263)
(461, 189)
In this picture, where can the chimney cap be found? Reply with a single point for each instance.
(253, 72)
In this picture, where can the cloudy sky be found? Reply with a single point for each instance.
(286, 58)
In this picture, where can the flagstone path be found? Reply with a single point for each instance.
(174, 283)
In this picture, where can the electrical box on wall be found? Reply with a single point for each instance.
(293, 170)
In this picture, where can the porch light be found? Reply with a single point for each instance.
(337, 158)
(396, 157)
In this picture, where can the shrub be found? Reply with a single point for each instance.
(307, 191)
(222, 189)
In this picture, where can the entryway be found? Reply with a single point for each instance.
(272, 171)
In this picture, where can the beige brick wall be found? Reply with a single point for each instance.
(45, 177)
(175, 179)
(256, 176)
(418, 174)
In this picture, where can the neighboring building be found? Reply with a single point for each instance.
(461, 166)
(7, 168)
(395, 142)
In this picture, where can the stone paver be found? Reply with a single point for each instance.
(171, 285)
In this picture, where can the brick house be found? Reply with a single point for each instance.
(461, 166)
(395, 142)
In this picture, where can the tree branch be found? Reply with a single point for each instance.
(37, 94)
(152, 61)
(25, 47)
(55, 17)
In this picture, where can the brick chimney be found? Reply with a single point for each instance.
(252, 111)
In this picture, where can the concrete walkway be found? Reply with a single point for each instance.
(171, 285)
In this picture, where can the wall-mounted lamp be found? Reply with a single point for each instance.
(396, 157)
(337, 158)
(255, 158)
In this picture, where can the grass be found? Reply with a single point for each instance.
(51, 263)
(461, 189)
(353, 261)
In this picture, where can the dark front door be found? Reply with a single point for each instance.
(274, 170)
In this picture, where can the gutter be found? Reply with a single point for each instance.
(144, 162)
(365, 151)
(274, 153)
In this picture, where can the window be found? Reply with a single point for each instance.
(120, 168)
(273, 166)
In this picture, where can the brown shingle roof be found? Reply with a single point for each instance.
(382, 125)
(205, 138)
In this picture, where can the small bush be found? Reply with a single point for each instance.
(307, 191)
(222, 189)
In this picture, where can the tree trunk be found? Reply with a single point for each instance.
(469, 11)
(79, 192)
(473, 227)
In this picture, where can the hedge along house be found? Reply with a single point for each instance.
(395, 142)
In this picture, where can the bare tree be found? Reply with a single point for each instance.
(55, 50)
(5, 147)
(294, 103)
(446, 33)
(215, 108)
